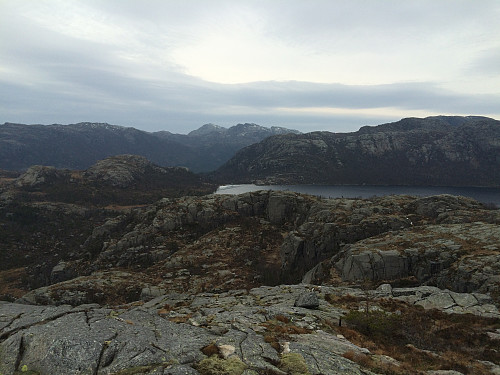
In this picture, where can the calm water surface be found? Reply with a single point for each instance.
(485, 195)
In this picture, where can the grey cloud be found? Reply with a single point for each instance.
(400, 95)
(86, 80)
(487, 63)
(37, 106)
(77, 80)
(172, 106)
(154, 10)
(323, 24)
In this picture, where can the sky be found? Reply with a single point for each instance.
(309, 65)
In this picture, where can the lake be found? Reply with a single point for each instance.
(483, 194)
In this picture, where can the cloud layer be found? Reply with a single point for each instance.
(311, 65)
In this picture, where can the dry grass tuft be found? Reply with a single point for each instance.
(280, 329)
(180, 319)
(210, 350)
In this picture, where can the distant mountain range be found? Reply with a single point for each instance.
(78, 146)
(442, 150)
(213, 145)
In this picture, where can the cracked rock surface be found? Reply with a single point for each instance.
(461, 257)
(168, 334)
(173, 333)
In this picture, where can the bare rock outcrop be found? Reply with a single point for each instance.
(430, 297)
(123, 170)
(332, 225)
(172, 334)
(38, 175)
(461, 257)
(222, 242)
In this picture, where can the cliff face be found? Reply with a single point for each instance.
(432, 151)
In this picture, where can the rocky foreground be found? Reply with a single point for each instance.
(289, 329)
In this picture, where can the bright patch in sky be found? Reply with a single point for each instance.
(308, 64)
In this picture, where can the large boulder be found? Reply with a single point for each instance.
(308, 300)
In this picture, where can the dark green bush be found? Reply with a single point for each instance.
(374, 323)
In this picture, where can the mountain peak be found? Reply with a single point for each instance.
(249, 126)
(207, 129)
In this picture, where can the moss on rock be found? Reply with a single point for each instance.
(218, 366)
(294, 364)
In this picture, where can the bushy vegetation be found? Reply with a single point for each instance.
(104, 195)
(33, 234)
(419, 339)
(376, 324)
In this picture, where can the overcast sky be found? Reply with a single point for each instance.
(305, 64)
